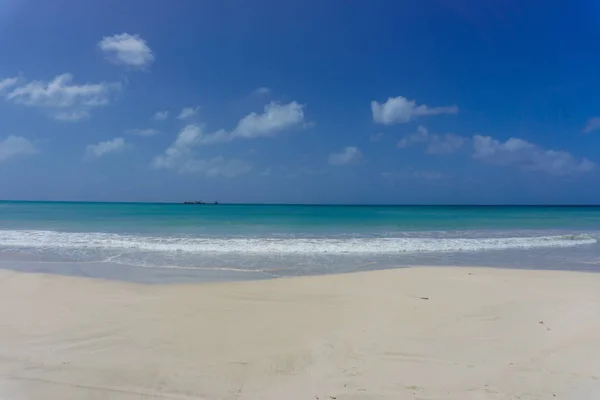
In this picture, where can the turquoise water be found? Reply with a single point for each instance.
(179, 242)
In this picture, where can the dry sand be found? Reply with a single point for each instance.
(423, 333)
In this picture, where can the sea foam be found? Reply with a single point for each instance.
(36, 239)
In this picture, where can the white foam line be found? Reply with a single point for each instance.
(260, 271)
(263, 246)
(207, 268)
(52, 262)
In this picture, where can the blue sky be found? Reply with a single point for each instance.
(440, 101)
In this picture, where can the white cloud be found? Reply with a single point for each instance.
(68, 101)
(188, 112)
(178, 152)
(593, 124)
(262, 91)
(16, 146)
(274, 119)
(127, 49)
(348, 155)
(101, 149)
(436, 144)
(143, 132)
(161, 115)
(8, 82)
(60, 93)
(401, 110)
(219, 136)
(528, 156)
(514, 152)
(180, 157)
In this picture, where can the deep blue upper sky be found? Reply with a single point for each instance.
(319, 101)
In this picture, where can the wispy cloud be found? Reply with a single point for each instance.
(180, 157)
(72, 116)
(528, 156)
(7, 83)
(593, 124)
(101, 149)
(160, 115)
(275, 119)
(188, 112)
(514, 152)
(348, 155)
(65, 100)
(127, 49)
(16, 146)
(262, 91)
(397, 110)
(436, 144)
(143, 132)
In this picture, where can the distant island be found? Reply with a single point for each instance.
(198, 202)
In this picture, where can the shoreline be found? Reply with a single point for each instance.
(174, 276)
(425, 332)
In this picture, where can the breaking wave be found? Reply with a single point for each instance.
(14, 239)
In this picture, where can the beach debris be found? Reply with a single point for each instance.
(424, 298)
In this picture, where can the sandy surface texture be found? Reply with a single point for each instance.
(423, 333)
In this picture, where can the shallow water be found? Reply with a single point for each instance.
(175, 242)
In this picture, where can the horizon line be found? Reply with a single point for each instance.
(317, 204)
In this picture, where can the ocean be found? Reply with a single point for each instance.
(152, 243)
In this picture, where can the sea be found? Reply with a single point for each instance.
(168, 243)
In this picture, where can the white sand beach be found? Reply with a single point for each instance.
(422, 333)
